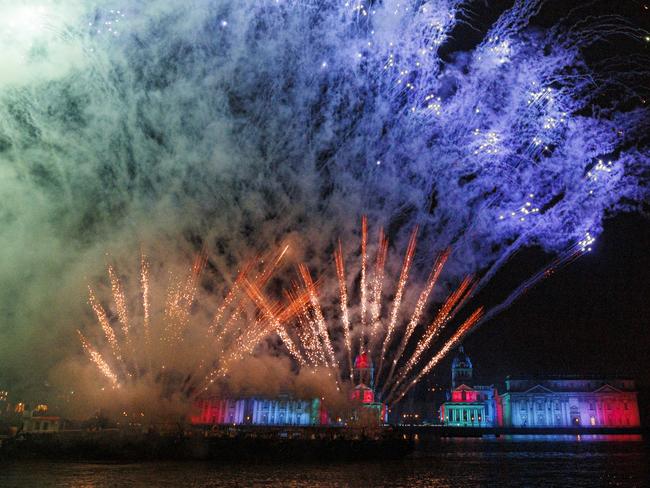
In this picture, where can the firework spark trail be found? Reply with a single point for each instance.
(119, 298)
(364, 299)
(244, 344)
(397, 301)
(102, 318)
(417, 311)
(308, 336)
(275, 316)
(180, 298)
(230, 297)
(173, 311)
(146, 304)
(561, 261)
(99, 361)
(226, 336)
(270, 270)
(445, 314)
(271, 320)
(120, 302)
(290, 345)
(343, 297)
(377, 285)
(450, 344)
(308, 330)
(318, 314)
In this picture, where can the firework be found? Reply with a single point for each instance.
(397, 301)
(143, 346)
(310, 339)
(313, 344)
(364, 260)
(345, 318)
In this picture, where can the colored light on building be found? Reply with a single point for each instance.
(286, 410)
(547, 402)
(571, 402)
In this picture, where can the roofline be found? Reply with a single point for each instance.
(585, 377)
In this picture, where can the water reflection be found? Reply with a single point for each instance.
(573, 438)
(512, 462)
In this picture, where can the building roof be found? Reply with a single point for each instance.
(568, 385)
(461, 360)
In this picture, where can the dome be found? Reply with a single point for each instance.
(461, 360)
(362, 361)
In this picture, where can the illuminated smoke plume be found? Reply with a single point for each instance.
(233, 124)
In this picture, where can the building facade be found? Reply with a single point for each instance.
(40, 424)
(570, 402)
(469, 406)
(289, 411)
(283, 410)
(546, 402)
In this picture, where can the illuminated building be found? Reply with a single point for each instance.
(286, 410)
(364, 393)
(4, 402)
(35, 422)
(570, 402)
(461, 369)
(259, 411)
(547, 402)
(41, 425)
(477, 406)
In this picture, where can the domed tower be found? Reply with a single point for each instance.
(363, 376)
(461, 369)
(363, 371)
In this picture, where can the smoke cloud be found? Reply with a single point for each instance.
(166, 126)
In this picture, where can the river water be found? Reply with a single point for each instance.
(525, 462)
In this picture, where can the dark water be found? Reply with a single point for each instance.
(457, 463)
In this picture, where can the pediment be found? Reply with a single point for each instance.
(539, 389)
(607, 389)
(464, 387)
